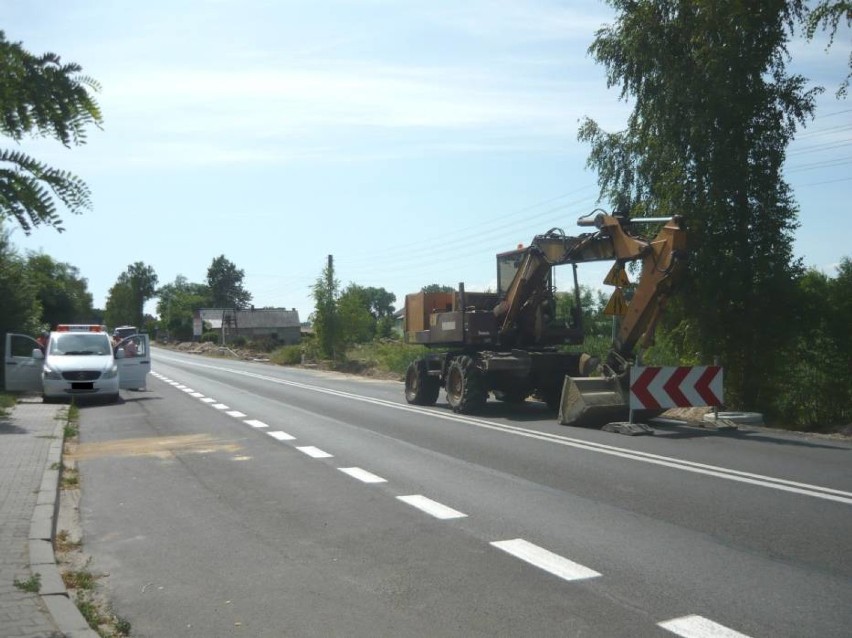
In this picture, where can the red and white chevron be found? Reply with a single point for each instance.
(655, 387)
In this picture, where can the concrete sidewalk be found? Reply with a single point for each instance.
(30, 461)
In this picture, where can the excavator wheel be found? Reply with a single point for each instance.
(420, 388)
(465, 388)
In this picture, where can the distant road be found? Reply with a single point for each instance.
(238, 498)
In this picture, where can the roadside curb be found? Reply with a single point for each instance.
(53, 592)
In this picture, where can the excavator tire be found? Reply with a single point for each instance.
(420, 388)
(465, 387)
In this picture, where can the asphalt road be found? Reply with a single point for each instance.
(238, 498)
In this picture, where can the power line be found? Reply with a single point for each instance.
(831, 181)
(827, 146)
(816, 165)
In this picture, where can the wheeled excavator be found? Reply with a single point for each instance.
(510, 343)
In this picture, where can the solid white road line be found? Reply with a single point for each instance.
(431, 507)
(699, 627)
(281, 436)
(546, 560)
(255, 423)
(362, 475)
(208, 400)
(236, 414)
(314, 452)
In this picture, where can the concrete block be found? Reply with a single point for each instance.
(51, 581)
(41, 553)
(41, 525)
(67, 617)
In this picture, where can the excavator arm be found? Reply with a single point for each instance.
(525, 314)
(522, 314)
(595, 400)
(662, 258)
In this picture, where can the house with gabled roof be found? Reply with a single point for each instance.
(255, 323)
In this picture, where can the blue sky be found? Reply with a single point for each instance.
(410, 140)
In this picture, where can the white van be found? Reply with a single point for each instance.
(76, 361)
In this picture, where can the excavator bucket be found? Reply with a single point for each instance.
(592, 401)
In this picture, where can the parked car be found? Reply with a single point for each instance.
(76, 361)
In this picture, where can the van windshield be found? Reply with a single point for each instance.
(79, 343)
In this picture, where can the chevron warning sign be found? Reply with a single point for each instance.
(654, 387)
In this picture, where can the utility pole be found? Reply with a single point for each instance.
(332, 318)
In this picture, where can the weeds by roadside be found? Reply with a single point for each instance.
(63, 542)
(31, 584)
(81, 583)
(7, 402)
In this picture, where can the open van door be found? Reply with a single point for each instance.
(133, 357)
(22, 369)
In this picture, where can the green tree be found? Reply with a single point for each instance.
(381, 307)
(126, 299)
(714, 112)
(21, 311)
(356, 323)
(225, 281)
(592, 303)
(827, 15)
(326, 292)
(42, 96)
(437, 288)
(177, 304)
(816, 390)
(62, 293)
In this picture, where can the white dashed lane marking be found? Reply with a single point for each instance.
(692, 626)
(699, 627)
(545, 559)
(431, 507)
(362, 475)
(314, 452)
(281, 436)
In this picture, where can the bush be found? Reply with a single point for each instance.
(238, 342)
(286, 355)
(267, 343)
(387, 355)
(210, 337)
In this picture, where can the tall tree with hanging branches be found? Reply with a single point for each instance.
(42, 96)
(714, 110)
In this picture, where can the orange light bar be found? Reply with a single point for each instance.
(80, 327)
